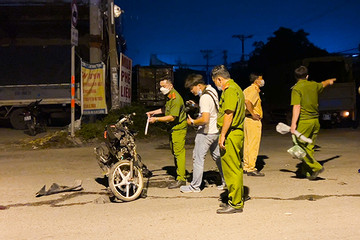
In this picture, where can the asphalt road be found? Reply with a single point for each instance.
(281, 206)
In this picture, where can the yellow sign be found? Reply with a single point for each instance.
(93, 99)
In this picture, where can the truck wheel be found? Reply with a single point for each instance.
(17, 119)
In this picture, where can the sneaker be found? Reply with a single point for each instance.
(189, 189)
(315, 174)
(176, 184)
(221, 187)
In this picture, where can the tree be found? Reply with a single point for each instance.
(284, 47)
(276, 60)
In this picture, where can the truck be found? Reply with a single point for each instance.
(55, 102)
(337, 103)
(147, 81)
(31, 73)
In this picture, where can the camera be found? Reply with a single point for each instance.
(192, 109)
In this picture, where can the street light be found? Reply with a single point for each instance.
(117, 11)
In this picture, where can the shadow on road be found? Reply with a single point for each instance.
(260, 163)
(300, 165)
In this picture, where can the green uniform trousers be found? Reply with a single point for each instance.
(231, 165)
(177, 146)
(310, 129)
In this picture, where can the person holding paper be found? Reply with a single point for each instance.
(175, 117)
(305, 102)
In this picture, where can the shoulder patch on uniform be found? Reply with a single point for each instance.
(226, 86)
(172, 96)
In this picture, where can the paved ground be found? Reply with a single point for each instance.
(282, 207)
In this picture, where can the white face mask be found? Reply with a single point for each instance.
(199, 93)
(262, 83)
(219, 88)
(164, 90)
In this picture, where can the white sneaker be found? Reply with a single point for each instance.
(189, 189)
(221, 187)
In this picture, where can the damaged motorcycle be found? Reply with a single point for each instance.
(120, 162)
(34, 118)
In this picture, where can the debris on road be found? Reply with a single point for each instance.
(56, 188)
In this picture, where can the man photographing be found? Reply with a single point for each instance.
(207, 134)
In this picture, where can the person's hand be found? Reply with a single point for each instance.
(256, 117)
(189, 120)
(190, 102)
(152, 119)
(222, 142)
(293, 128)
(332, 80)
(149, 114)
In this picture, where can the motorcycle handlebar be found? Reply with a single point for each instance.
(126, 118)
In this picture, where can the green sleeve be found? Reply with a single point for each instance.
(295, 97)
(320, 87)
(230, 100)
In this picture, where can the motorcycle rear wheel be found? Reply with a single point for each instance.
(123, 187)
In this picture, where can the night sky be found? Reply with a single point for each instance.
(176, 30)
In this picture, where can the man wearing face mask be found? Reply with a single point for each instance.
(175, 117)
(207, 134)
(231, 122)
(252, 125)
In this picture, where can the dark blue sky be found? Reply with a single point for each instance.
(179, 29)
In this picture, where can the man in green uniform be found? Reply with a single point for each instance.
(230, 122)
(175, 116)
(305, 102)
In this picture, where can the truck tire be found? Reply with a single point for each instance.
(17, 119)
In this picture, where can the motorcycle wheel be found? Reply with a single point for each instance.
(122, 186)
(31, 128)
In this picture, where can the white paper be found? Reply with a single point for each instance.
(147, 126)
(283, 129)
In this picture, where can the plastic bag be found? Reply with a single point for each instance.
(296, 151)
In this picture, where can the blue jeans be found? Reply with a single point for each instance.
(204, 142)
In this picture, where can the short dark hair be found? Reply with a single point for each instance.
(165, 78)
(220, 71)
(301, 72)
(193, 80)
(254, 76)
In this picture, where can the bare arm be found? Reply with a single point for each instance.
(228, 117)
(155, 112)
(328, 82)
(250, 108)
(295, 117)
(203, 120)
(168, 118)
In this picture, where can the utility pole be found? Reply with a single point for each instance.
(96, 24)
(242, 39)
(74, 42)
(113, 57)
(225, 56)
(206, 55)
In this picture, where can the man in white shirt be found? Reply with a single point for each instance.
(207, 135)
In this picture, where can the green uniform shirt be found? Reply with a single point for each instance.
(232, 98)
(306, 94)
(175, 107)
